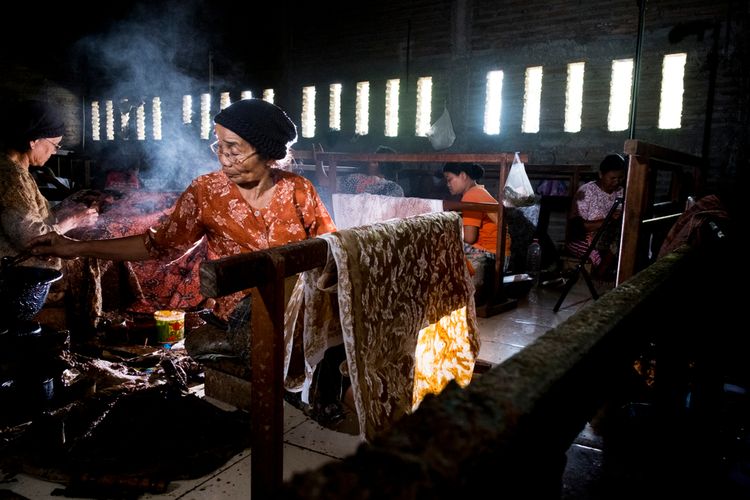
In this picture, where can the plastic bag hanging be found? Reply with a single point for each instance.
(518, 191)
(441, 132)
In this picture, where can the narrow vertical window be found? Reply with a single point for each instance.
(308, 111)
(532, 100)
(362, 109)
(574, 97)
(246, 94)
(109, 110)
(493, 102)
(424, 106)
(334, 106)
(125, 118)
(156, 117)
(140, 122)
(187, 109)
(672, 89)
(95, 123)
(268, 95)
(391, 107)
(224, 100)
(619, 95)
(205, 116)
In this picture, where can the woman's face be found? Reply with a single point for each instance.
(239, 160)
(42, 149)
(373, 168)
(611, 181)
(457, 184)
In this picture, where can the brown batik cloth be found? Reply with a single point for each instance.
(407, 315)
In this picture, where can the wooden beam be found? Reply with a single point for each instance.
(240, 272)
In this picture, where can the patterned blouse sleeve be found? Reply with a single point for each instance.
(316, 218)
(22, 217)
(182, 229)
(583, 206)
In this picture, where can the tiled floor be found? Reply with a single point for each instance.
(308, 445)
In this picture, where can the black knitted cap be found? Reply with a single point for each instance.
(264, 125)
(31, 120)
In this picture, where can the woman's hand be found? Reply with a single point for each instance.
(85, 218)
(54, 244)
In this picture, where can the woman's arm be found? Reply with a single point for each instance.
(471, 234)
(127, 248)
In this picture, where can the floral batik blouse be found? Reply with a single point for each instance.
(213, 206)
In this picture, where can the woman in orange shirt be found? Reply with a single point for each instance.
(480, 228)
(250, 204)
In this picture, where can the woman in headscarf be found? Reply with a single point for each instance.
(30, 133)
(249, 204)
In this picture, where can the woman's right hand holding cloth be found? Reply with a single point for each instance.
(54, 244)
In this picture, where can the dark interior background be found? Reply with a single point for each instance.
(137, 50)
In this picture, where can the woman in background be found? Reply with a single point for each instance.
(480, 228)
(380, 178)
(30, 133)
(593, 202)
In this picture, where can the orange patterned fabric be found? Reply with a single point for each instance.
(212, 206)
(153, 284)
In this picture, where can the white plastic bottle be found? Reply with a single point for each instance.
(534, 260)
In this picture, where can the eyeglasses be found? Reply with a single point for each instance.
(232, 158)
(58, 147)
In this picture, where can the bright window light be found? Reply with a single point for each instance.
(109, 110)
(308, 111)
(95, 124)
(362, 109)
(140, 122)
(187, 109)
(532, 100)
(125, 108)
(334, 106)
(156, 117)
(224, 100)
(268, 95)
(246, 94)
(493, 102)
(205, 116)
(391, 107)
(574, 97)
(619, 95)
(424, 106)
(672, 89)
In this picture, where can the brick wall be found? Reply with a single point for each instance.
(457, 43)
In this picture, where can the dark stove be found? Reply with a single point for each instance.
(30, 368)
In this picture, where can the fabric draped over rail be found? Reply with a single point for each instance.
(406, 307)
(351, 210)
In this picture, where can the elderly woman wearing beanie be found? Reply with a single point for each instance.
(249, 204)
(31, 134)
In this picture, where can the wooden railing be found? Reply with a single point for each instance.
(653, 202)
(508, 431)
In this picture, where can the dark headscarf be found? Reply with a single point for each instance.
(30, 120)
(264, 125)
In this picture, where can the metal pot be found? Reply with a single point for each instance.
(23, 290)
